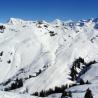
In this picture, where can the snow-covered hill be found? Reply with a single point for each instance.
(39, 55)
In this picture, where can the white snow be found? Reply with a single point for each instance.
(30, 46)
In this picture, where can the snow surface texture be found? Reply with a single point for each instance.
(42, 54)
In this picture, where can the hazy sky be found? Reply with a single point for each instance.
(48, 9)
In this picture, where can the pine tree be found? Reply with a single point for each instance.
(70, 94)
(35, 94)
(64, 94)
(82, 82)
(88, 94)
(73, 73)
(87, 82)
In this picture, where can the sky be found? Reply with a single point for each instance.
(48, 9)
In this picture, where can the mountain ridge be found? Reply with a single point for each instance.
(38, 55)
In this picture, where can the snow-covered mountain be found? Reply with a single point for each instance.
(38, 55)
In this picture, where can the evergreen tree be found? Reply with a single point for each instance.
(1, 53)
(42, 93)
(87, 82)
(35, 94)
(70, 94)
(88, 94)
(82, 82)
(73, 73)
(64, 94)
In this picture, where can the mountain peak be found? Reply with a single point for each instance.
(95, 20)
(15, 21)
(57, 22)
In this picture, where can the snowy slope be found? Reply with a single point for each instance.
(14, 95)
(42, 53)
(92, 76)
